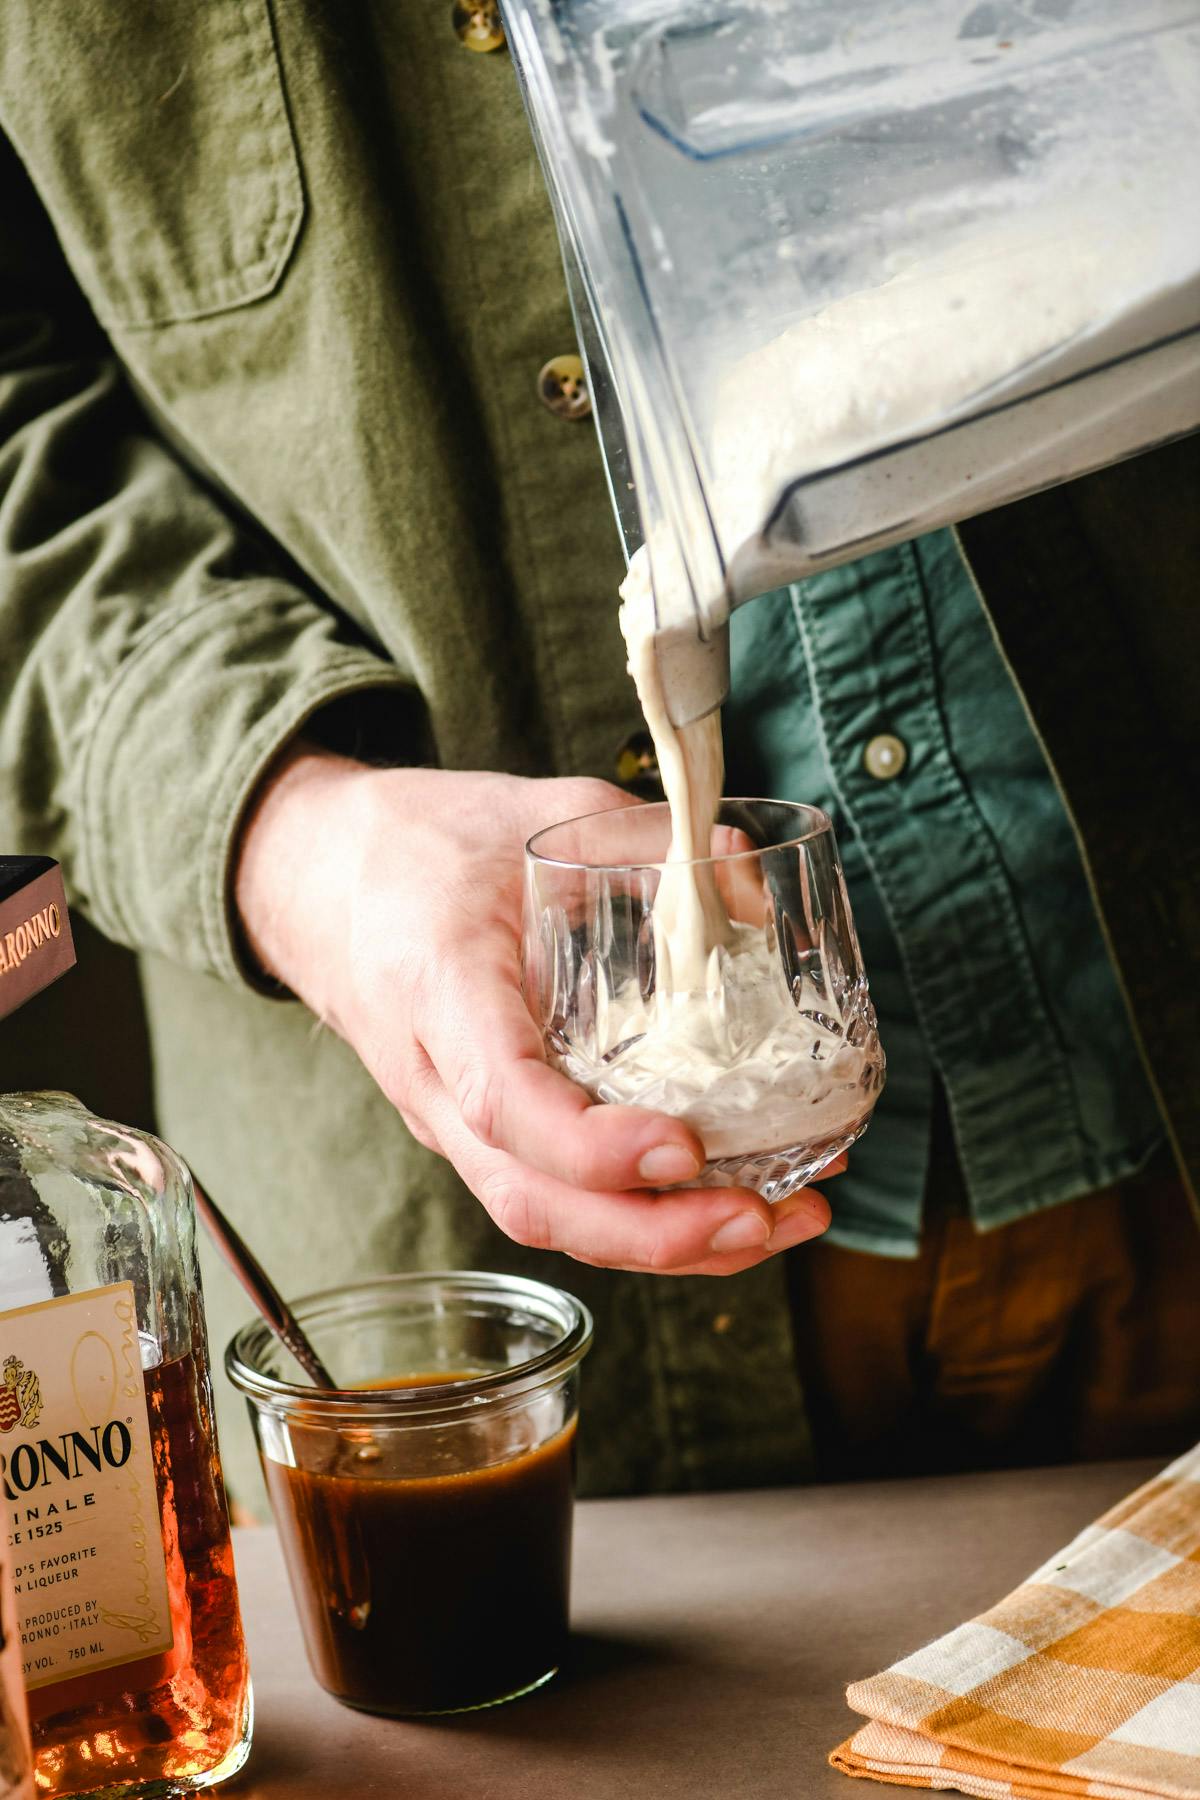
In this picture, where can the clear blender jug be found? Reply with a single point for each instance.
(848, 270)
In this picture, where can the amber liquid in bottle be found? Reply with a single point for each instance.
(178, 1716)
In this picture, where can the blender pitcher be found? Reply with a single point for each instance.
(848, 270)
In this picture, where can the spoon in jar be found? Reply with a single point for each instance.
(348, 1575)
(261, 1289)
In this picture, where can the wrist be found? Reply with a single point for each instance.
(288, 865)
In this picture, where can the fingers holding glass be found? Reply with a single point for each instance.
(748, 1019)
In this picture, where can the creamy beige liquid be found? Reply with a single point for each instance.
(689, 917)
(723, 1042)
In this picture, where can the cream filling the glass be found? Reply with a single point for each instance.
(722, 1042)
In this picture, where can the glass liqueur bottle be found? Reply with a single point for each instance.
(114, 1507)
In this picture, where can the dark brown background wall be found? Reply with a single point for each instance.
(86, 1034)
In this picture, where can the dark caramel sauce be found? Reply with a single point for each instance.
(428, 1585)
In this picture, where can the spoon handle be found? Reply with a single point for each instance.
(262, 1291)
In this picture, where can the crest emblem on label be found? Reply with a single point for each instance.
(20, 1396)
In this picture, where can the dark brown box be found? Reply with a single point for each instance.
(35, 932)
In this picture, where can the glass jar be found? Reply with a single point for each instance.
(425, 1506)
(117, 1523)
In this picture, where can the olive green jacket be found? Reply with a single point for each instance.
(276, 284)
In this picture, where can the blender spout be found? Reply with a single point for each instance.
(694, 670)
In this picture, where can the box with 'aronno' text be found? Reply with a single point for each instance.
(35, 932)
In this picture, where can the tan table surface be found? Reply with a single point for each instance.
(715, 1636)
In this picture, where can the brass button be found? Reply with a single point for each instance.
(885, 756)
(636, 762)
(479, 26)
(562, 386)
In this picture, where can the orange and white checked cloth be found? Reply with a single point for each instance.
(1085, 1680)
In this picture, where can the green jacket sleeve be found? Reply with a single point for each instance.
(154, 653)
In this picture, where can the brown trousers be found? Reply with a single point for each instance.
(1073, 1334)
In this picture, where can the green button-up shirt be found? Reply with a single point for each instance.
(276, 283)
(981, 942)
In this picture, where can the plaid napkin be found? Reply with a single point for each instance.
(1085, 1680)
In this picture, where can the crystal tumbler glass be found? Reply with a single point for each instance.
(766, 1044)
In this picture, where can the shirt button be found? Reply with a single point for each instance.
(478, 27)
(885, 756)
(636, 762)
(562, 386)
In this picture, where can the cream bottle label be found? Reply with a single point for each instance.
(80, 1501)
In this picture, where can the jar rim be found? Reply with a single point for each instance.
(247, 1346)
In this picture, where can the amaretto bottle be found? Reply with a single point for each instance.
(114, 1503)
(117, 1527)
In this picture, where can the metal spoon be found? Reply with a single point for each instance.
(261, 1289)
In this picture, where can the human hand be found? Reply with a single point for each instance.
(389, 901)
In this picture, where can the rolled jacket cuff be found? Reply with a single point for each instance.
(181, 739)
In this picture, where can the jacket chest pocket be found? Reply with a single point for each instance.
(157, 134)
